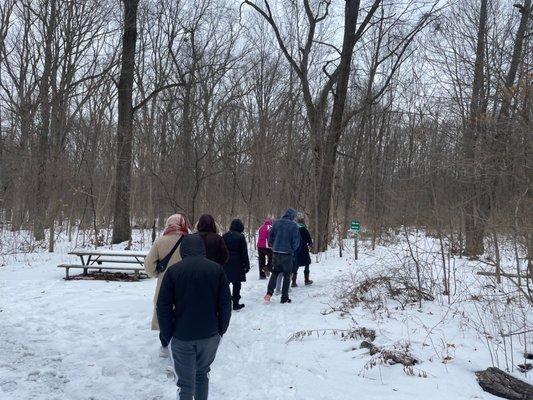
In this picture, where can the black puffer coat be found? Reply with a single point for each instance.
(194, 301)
(302, 255)
(238, 263)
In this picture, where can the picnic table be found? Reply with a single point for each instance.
(127, 260)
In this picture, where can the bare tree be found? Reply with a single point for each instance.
(326, 121)
(121, 224)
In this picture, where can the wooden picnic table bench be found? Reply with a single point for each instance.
(100, 268)
(94, 259)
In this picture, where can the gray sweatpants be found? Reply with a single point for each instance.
(278, 283)
(192, 361)
(281, 265)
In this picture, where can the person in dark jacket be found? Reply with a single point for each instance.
(238, 264)
(284, 238)
(194, 310)
(303, 258)
(215, 247)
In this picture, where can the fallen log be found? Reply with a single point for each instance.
(496, 382)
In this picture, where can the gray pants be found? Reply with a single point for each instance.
(281, 265)
(279, 282)
(192, 360)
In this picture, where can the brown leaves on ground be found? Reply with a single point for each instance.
(109, 276)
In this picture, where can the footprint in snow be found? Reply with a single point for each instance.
(8, 386)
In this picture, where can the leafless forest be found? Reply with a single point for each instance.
(398, 113)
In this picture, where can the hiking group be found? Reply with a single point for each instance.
(194, 271)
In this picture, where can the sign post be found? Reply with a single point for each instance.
(355, 227)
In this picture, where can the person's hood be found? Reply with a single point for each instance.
(237, 226)
(290, 213)
(192, 245)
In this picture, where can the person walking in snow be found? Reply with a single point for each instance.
(165, 249)
(303, 258)
(284, 238)
(215, 247)
(238, 264)
(264, 252)
(194, 311)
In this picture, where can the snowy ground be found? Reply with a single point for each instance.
(91, 340)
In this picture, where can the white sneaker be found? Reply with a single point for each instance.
(277, 292)
(164, 352)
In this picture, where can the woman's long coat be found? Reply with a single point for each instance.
(302, 255)
(238, 263)
(215, 248)
(159, 250)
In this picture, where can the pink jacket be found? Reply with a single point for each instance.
(262, 241)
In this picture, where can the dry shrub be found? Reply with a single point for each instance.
(397, 354)
(345, 334)
(108, 276)
(373, 292)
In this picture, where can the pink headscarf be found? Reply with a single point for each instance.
(177, 223)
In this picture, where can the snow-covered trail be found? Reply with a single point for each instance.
(91, 340)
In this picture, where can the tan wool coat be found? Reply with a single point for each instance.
(161, 247)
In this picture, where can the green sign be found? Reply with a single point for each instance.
(355, 225)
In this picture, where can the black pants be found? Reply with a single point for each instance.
(281, 264)
(164, 343)
(236, 292)
(306, 268)
(264, 255)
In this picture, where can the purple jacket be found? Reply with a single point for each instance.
(262, 241)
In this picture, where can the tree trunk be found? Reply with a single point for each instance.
(121, 217)
(328, 160)
(498, 149)
(324, 196)
(515, 61)
(41, 197)
(474, 223)
(190, 166)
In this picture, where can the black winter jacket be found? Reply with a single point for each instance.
(238, 263)
(302, 255)
(194, 301)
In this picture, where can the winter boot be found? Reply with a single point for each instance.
(307, 280)
(236, 305)
(284, 301)
(293, 281)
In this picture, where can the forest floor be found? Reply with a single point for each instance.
(91, 340)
